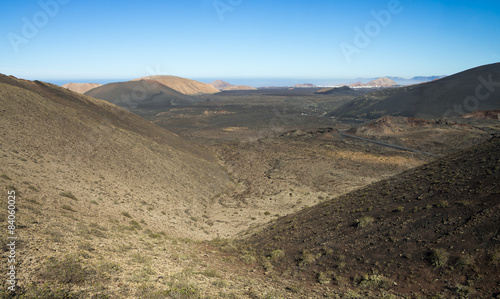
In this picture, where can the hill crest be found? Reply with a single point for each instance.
(141, 94)
(81, 87)
(182, 85)
(220, 85)
(382, 82)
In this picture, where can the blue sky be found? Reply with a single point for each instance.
(245, 38)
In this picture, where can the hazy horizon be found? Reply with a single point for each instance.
(254, 82)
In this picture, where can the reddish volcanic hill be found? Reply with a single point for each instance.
(182, 85)
(381, 82)
(81, 87)
(220, 85)
(143, 94)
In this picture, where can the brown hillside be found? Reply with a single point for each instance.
(431, 230)
(61, 141)
(81, 87)
(183, 85)
(143, 94)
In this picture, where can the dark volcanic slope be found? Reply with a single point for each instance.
(435, 227)
(143, 94)
(441, 98)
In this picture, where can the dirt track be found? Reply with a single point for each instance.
(387, 144)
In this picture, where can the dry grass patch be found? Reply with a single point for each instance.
(68, 194)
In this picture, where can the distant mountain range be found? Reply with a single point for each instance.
(193, 87)
(81, 87)
(220, 85)
(305, 85)
(468, 91)
(379, 82)
(415, 80)
(182, 85)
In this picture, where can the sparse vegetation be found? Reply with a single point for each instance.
(439, 257)
(5, 177)
(399, 209)
(495, 257)
(443, 204)
(11, 187)
(267, 264)
(277, 254)
(307, 258)
(317, 252)
(373, 281)
(68, 194)
(135, 225)
(465, 261)
(68, 208)
(110, 268)
(126, 214)
(33, 201)
(324, 278)
(212, 273)
(86, 246)
(364, 221)
(249, 258)
(69, 269)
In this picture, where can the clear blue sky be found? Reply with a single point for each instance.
(255, 39)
